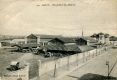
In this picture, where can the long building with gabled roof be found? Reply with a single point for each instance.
(40, 38)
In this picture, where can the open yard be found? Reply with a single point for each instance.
(6, 56)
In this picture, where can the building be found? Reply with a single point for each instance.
(86, 41)
(40, 39)
(107, 40)
(113, 40)
(18, 41)
(74, 48)
(101, 37)
(62, 41)
(5, 42)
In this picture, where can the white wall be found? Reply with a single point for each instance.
(45, 67)
(38, 40)
(18, 41)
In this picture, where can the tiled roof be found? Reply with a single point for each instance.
(56, 47)
(73, 48)
(88, 38)
(85, 48)
(65, 40)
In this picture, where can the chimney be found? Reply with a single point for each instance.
(82, 33)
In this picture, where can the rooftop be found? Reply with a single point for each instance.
(88, 38)
(64, 40)
(85, 48)
(47, 36)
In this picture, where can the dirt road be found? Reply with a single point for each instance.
(25, 58)
(97, 67)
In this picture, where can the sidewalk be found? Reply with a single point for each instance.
(64, 70)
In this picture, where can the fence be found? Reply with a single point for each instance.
(22, 74)
(48, 66)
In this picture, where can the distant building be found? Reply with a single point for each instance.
(5, 42)
(107, 40)
(101, 37)
(9, 40)
(113, 40)
(40, 39)
(86, 41)
(18, 41)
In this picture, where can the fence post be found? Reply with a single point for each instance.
(27, 69)
(93, 55)
(68, 62)
(96, 51)
(86, 56)
(39, 69)
(83, 57)
(89, 55)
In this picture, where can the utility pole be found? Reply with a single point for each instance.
(55, 69)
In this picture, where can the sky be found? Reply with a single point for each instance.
(23, 17)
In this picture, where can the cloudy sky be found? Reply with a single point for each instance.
(25, 17)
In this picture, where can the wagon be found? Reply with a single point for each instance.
(14, 65)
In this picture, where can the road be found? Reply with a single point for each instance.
(23, 59)
(96, 68)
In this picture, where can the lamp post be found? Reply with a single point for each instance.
(107, 63)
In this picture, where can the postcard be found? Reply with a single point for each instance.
(58, 39)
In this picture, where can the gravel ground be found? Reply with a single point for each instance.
(6, 57)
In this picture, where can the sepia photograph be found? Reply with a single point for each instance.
(58, 39)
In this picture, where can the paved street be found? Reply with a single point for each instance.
(96, 67)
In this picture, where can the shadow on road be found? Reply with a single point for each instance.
(91, 76)
(74, 77)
